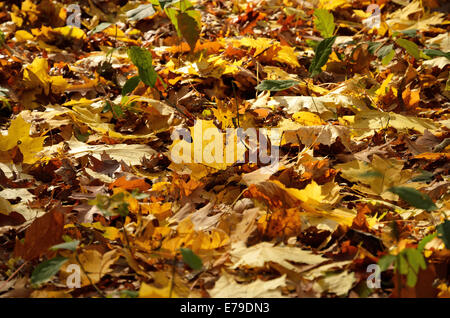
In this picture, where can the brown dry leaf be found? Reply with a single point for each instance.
(42, 234)
(246, 226)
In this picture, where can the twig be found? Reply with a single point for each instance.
(13, 274)
(89, 279)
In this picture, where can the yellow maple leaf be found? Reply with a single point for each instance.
(210, 147)
(36, 75)
(109, 232)
(22, 36)
(19, 135)
(95, 265)
(71, 32)
(285, 53)
(307, 119)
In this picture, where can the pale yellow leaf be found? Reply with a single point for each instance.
(258, 255)
(226, 287)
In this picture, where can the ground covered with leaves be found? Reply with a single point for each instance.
(94, 201)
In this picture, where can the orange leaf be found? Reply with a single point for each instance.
(123, 183)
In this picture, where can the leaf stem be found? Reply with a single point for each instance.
(89, 279)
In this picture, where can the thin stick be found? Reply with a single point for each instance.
(89, 279)
(13, 274)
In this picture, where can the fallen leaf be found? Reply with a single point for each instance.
(19, 135)
(226, 287)
(262, 253)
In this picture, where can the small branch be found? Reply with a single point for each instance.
(13, 274)
(89, 279)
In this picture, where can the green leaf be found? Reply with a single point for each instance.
(388, 57)
(411, 279)
(401, 264)
(426, 176)
(182, 5)
(386, 261)
(45, 271)
(142, 58)
(414, 197)
(162, 3)
(189, 29)
(373, 47)
(424, 241)
(172, 15)
(130, 85)
(72, 246)
(411, 33)
(139, 195)
(385, 50)
(416, 261)
(324, 22)
(312, 44)
(2, 38)
(174, 8)
(129, 294)
(99, 28)
(436, 53)
(81, 137)
(275, 85)
(322, 53)
(410, 47)
(191, 259)
(444, 233)
(141, 12)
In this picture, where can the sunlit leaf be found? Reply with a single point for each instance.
(324, 22)
(142, 58)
